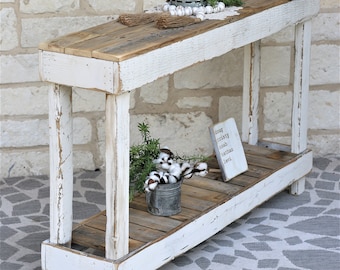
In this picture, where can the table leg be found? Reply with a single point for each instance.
(300, 95)
(117, 175)
(61, 164)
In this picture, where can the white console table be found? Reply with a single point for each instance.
(117, 59)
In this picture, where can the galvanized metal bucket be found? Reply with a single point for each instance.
(165, 200)
(187, 3)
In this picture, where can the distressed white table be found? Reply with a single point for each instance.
(116, 59)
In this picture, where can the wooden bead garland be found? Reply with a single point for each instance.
(199, 12)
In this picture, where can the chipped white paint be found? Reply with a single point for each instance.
(251, 92)
(300, 95)
(212, 222)
(182, 240)
(117, 175)
(150, 66)
(61, 165)
(57, 257)
(145, 68)
(77, 71)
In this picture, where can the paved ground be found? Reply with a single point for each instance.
(285, 233)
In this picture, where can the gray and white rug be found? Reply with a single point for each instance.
(287, 232)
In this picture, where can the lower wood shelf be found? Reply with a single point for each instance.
(208, 205)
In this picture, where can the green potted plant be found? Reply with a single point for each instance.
(160, 173)
(142, 158)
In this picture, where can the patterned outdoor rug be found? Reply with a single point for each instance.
(287, 232)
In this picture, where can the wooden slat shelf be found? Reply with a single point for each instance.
(199, 195)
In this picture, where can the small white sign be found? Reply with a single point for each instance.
(228, 148)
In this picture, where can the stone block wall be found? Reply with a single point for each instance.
(179, 108)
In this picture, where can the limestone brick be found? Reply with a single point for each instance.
(101, 129)
(185, 134)
(192, 102)
(222, 71)
(36, 162)
(149, 4)
(33, 132)
(83, 160)
(116, 6)
(331, 21)
(24, 162)
(19, 68)
(325, 64)
(324, 110)
(284, 36)
(324, 144)
(320, 144)
(329, 4)
(100, 142)
(24, 133)
(132, 99)
(156, 92)
(230, 106)
(41, 6)
(277, 111)
(30, 100)
(275, 65)
(82, 130)
(100, 158)
(7, 1)
(87, 100)
(8, 34)
(53, 27)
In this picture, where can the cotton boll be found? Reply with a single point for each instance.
(201, 169)
(188, 11)
(165, 164)
(166, 7)
(201, 9)
(201, 166)
(175, 170)
(209, 9)
(221, 6)
(201, 16)
(186, 169)
(157, 161)
(180, 12)
(173, 12)
(163, 155)
(172, 179)
(150, 184)
(188, 173)
(164, 178)
(172, 7)
(174, 173)
(154, 176)
(166, 150)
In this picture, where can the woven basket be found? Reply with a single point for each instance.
(187, 3)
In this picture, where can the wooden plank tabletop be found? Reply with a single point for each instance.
(115, 42)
